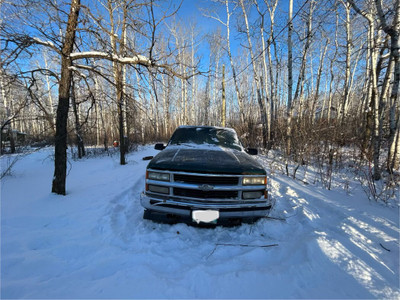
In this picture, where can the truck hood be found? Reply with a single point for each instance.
(204, 160)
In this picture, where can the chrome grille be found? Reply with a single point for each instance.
(192, 193)
(217, 180)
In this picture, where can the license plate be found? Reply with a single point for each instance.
(205, 216)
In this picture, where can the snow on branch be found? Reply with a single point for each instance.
(134, 60)
(73, 68)
(49, 44)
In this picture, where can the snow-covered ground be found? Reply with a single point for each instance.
(93, 242)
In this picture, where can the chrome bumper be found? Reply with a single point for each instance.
(251, 209)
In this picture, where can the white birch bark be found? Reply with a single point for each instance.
(290, 82)
(257, 80)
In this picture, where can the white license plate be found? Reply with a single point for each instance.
(205, 216)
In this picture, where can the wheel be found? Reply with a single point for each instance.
(160, 217)
(147, 215)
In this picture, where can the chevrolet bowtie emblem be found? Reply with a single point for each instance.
(206, 187)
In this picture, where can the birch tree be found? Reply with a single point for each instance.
(290, 81)
(257, 79)
(227, 25)
(349, 45)
(371, 14)
(393, 30)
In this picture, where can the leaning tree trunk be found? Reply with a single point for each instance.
(60, 155)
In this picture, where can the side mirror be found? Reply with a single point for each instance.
(159, 147)
(252, 151)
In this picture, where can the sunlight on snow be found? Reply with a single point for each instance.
(386, 223)
(354, 266)
(364, 243)
(301, 202)
(292, 193)
(374, 230)
(310, 215)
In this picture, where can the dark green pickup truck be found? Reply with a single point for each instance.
(204, 175)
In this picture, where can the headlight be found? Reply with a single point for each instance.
(158, 176)
(158, 189)
(255, 180)
(253, 195)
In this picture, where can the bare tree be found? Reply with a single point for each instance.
(227, 25)
(60, 157)
(290, 81)
(63, 45)
(257, 79)
(393, 31)
(371, 14)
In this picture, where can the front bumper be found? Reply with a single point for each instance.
(180, 207)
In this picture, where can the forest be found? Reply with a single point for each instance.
(317, 81)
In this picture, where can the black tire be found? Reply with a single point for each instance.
(147, 215)
(160, 217)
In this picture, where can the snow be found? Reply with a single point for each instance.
(93, 242)
(45, 43)
(137, 59)
(204, 146)
(74, 68)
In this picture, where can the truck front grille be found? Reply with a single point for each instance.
(205, 194)
(217, 180)
(207, 189)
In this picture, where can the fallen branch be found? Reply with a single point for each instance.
(241, 245)
(275, 218)
(384, 247)
(246, 245)
(8, 166)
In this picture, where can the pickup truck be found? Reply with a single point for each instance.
(204, 175)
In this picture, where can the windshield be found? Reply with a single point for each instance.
(206, 135)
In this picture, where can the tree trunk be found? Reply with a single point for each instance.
(12, 140)
(394, 32)
(376, 138)
(290, 82)
(261, 102)
(395, 148)
(373, 115)
(273, 82)
(265, 83)
(51, 102)
(78, 129)
(120, 103)
(332, 73)
(349, 43)
(60, 153)
(118, 77)
(223, 98)
(235, 80)
(319, 74)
